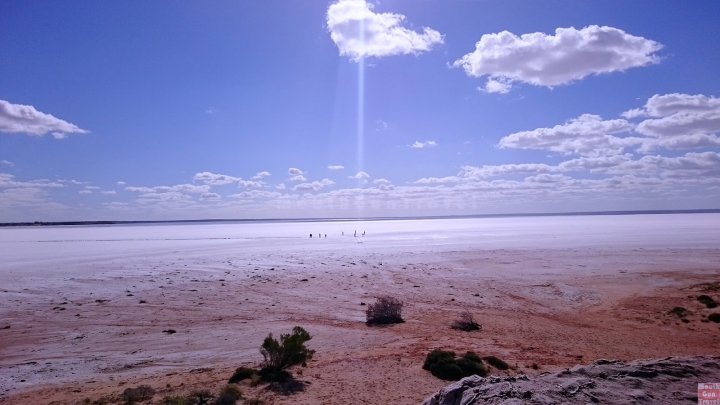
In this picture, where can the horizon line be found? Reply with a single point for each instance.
(336, 219)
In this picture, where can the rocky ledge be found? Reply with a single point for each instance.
(672, 380)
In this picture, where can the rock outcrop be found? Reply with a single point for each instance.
(673, 380)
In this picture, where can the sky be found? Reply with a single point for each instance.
(155, 110)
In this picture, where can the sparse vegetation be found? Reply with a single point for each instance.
(385, 310)
(442, 364)
(141, 393)
(714, 317)
(254, 401)
(680, 312)
(496, 362)
(465, 322)
(279, 355)
(174, 400)
(242, 373)
(201, 397)
(229, 395)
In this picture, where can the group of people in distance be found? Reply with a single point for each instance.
(320, 235)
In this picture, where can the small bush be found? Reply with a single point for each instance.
(385, 310)
(466, 322)
(175, 400)
(202, 397)
(242, 373)
(497, 363)
(708, 301)
(229, 395)
(678, 311)
(141, 393)
(254, 401)
(442, 364)
(714, 317)
(289, 351)
(255, 380)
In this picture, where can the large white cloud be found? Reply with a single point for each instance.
(25, 119)
(587, 135)
(359, 32)
(550, 60)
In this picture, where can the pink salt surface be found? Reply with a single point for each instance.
(555, 291)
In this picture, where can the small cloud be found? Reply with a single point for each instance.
(121, 183)
(295, 171)
(360, 175)
(7, 163)
(336, 167)
(210, 110)
(92, 188)
(280, 186)
(299, 177)
(421, 145)
(314, 186)
(380, 125)
(210, 196)
(260, 175)
(85, 191)
(110, 192)
(25, 119)
(634, 113)
(382, 181)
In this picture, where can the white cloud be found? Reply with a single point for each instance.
(85, 191)
(382, 181)
(260, 175)
(680, 114)
(299, 177)
(210, 196)
(295, 171)
(280, 186)
(215, 179)
(336, 167)
(550, 60)
(121, 183)
(587, 135)
(315, 185)
(7, 163)
(421, 145)
(25, 119)
(110, 192)
(360, 175)
(359, 32)
(92, 188)
(180, 188)
(250, 183)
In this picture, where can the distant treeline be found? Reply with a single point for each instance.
(194, 221)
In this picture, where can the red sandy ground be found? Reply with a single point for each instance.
(554, 308)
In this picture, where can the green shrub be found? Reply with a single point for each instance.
(289, 351)
(714, 317)
(174, 400)
(229, 395)
(242, 373)
(385, 310)
(141, 393)
(442, 364)
(497, 363)
(202, 397)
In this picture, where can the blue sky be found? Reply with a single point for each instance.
(184, 110)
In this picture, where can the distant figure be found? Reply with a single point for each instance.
(325, 236)
(343, 233)
(311, 235)
(363, 233)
